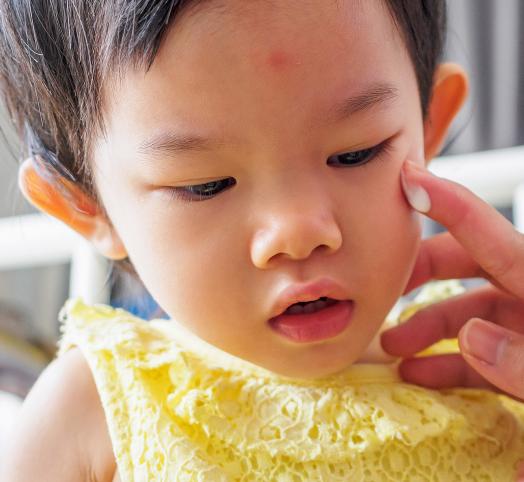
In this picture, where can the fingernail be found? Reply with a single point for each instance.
(416, 195)
(484, 341)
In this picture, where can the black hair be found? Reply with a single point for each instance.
(54, 55)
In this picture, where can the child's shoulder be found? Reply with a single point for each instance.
(61, 431)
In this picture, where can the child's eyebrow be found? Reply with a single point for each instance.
(375, 96)
(169, 142)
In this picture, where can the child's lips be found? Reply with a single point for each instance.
(319, 325)
(323, 323)
(304, 292)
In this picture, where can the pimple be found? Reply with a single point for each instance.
(278, 60)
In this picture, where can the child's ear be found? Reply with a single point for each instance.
(67, 202)
(450, 89)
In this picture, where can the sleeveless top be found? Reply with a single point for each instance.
(179, 409)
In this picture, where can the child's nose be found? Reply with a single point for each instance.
(294, 229)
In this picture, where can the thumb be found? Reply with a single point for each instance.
(496, 353)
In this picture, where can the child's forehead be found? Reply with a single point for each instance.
(279, 35)
(265, 21)
(209, 64)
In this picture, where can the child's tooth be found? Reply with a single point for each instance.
(294, 310)
(310, 308)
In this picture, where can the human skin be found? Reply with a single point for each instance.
(487, 321)
(266, 86)
(480, 242)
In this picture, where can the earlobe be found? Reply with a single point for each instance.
(450, 90)
(67, 202)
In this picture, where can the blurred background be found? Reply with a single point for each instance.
(42, 263)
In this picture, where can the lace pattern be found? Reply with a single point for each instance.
(176, 415)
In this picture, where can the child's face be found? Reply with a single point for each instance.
(261, 81)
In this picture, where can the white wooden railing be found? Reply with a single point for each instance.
(35, 240)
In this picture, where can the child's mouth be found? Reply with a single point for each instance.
(309, 306)
(313, 321)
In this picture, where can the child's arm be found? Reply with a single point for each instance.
(61, 433)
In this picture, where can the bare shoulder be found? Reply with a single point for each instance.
(61, 434)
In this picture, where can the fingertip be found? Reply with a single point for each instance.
(395, 342)
(463, 333)
(415, 194)
(495, 353)
(483, 340)
(412, 336)
(392, 343)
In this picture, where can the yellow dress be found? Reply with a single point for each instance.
(179, 409)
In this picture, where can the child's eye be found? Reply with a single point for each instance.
(355, 158)
(200, 192)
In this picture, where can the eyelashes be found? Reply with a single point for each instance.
(360, 158)
(209, 190)
(200, 192)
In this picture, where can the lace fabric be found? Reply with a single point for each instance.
(179, 409)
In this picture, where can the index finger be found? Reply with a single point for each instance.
(442, 257)
(489, 238)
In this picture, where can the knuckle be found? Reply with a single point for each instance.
(501, 263)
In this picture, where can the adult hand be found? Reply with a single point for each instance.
(489, 321)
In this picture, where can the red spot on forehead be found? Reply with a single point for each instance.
(278, 59)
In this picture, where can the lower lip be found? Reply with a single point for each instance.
(321, 325)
